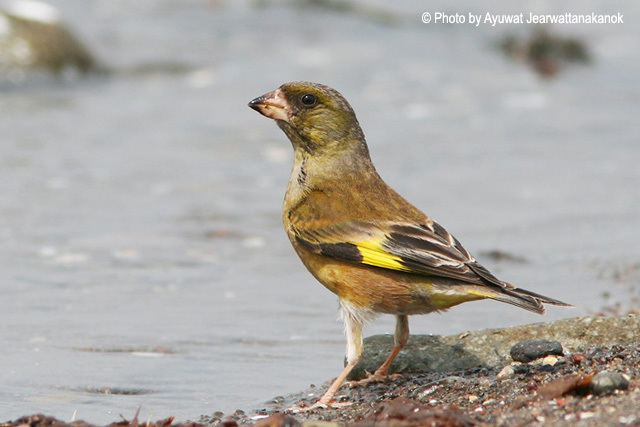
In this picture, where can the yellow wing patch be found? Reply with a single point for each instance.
(374, 254)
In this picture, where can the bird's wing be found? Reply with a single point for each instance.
(426, 249)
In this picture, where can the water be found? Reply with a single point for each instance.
(142, 247)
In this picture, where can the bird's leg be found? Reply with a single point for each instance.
(400, 338)
(353, 331)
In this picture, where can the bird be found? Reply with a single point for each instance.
(360, 238)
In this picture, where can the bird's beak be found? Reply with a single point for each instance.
(273, 105)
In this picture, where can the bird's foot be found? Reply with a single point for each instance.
(377, 377)
(319, 405)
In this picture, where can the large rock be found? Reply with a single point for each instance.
(490, 348)
(32, 36)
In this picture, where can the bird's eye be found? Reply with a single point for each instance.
(309, 100)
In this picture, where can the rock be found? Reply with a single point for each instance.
(491, 348)
(521, 368)
(545, 52)
(32, 36)
(550, 360)
(606, 382)
(506, 372)
(578, 358)
(423, 353)
(527, 351)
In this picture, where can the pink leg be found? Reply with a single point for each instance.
(400, 339)
(353, 330)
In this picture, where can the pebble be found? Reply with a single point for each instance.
(506, 372)
(606, 382)
(229, 422)
(526, 351)
(427, 391)
(586, 415)
(627, 420)
(578, 358)
(519, 368)
(472, 398)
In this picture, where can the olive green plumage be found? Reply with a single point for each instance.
(357, 236)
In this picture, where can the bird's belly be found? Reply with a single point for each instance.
(383, 291)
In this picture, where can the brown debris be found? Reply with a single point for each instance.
(565, 385)
(278, 420)
(407, 412)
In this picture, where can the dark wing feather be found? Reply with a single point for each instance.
(420, 249)
(424, 249)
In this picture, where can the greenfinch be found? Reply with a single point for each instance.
(362, 240)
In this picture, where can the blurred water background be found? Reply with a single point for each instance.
(143, 260)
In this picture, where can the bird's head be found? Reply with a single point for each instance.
(314, 117)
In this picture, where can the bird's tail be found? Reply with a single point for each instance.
(525, 299)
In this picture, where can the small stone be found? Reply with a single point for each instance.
(277, 400)
(489, 402)
(229, 422)
(586, 415)
(578, 358)
(606, 382)
(550, 360)
(454, 379)
(472, 398)
(506, 372)
(526, 351)
(521, 369)
(427, 391)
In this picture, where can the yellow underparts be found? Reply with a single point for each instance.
(443, 299)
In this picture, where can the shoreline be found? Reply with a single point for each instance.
(588, 372)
